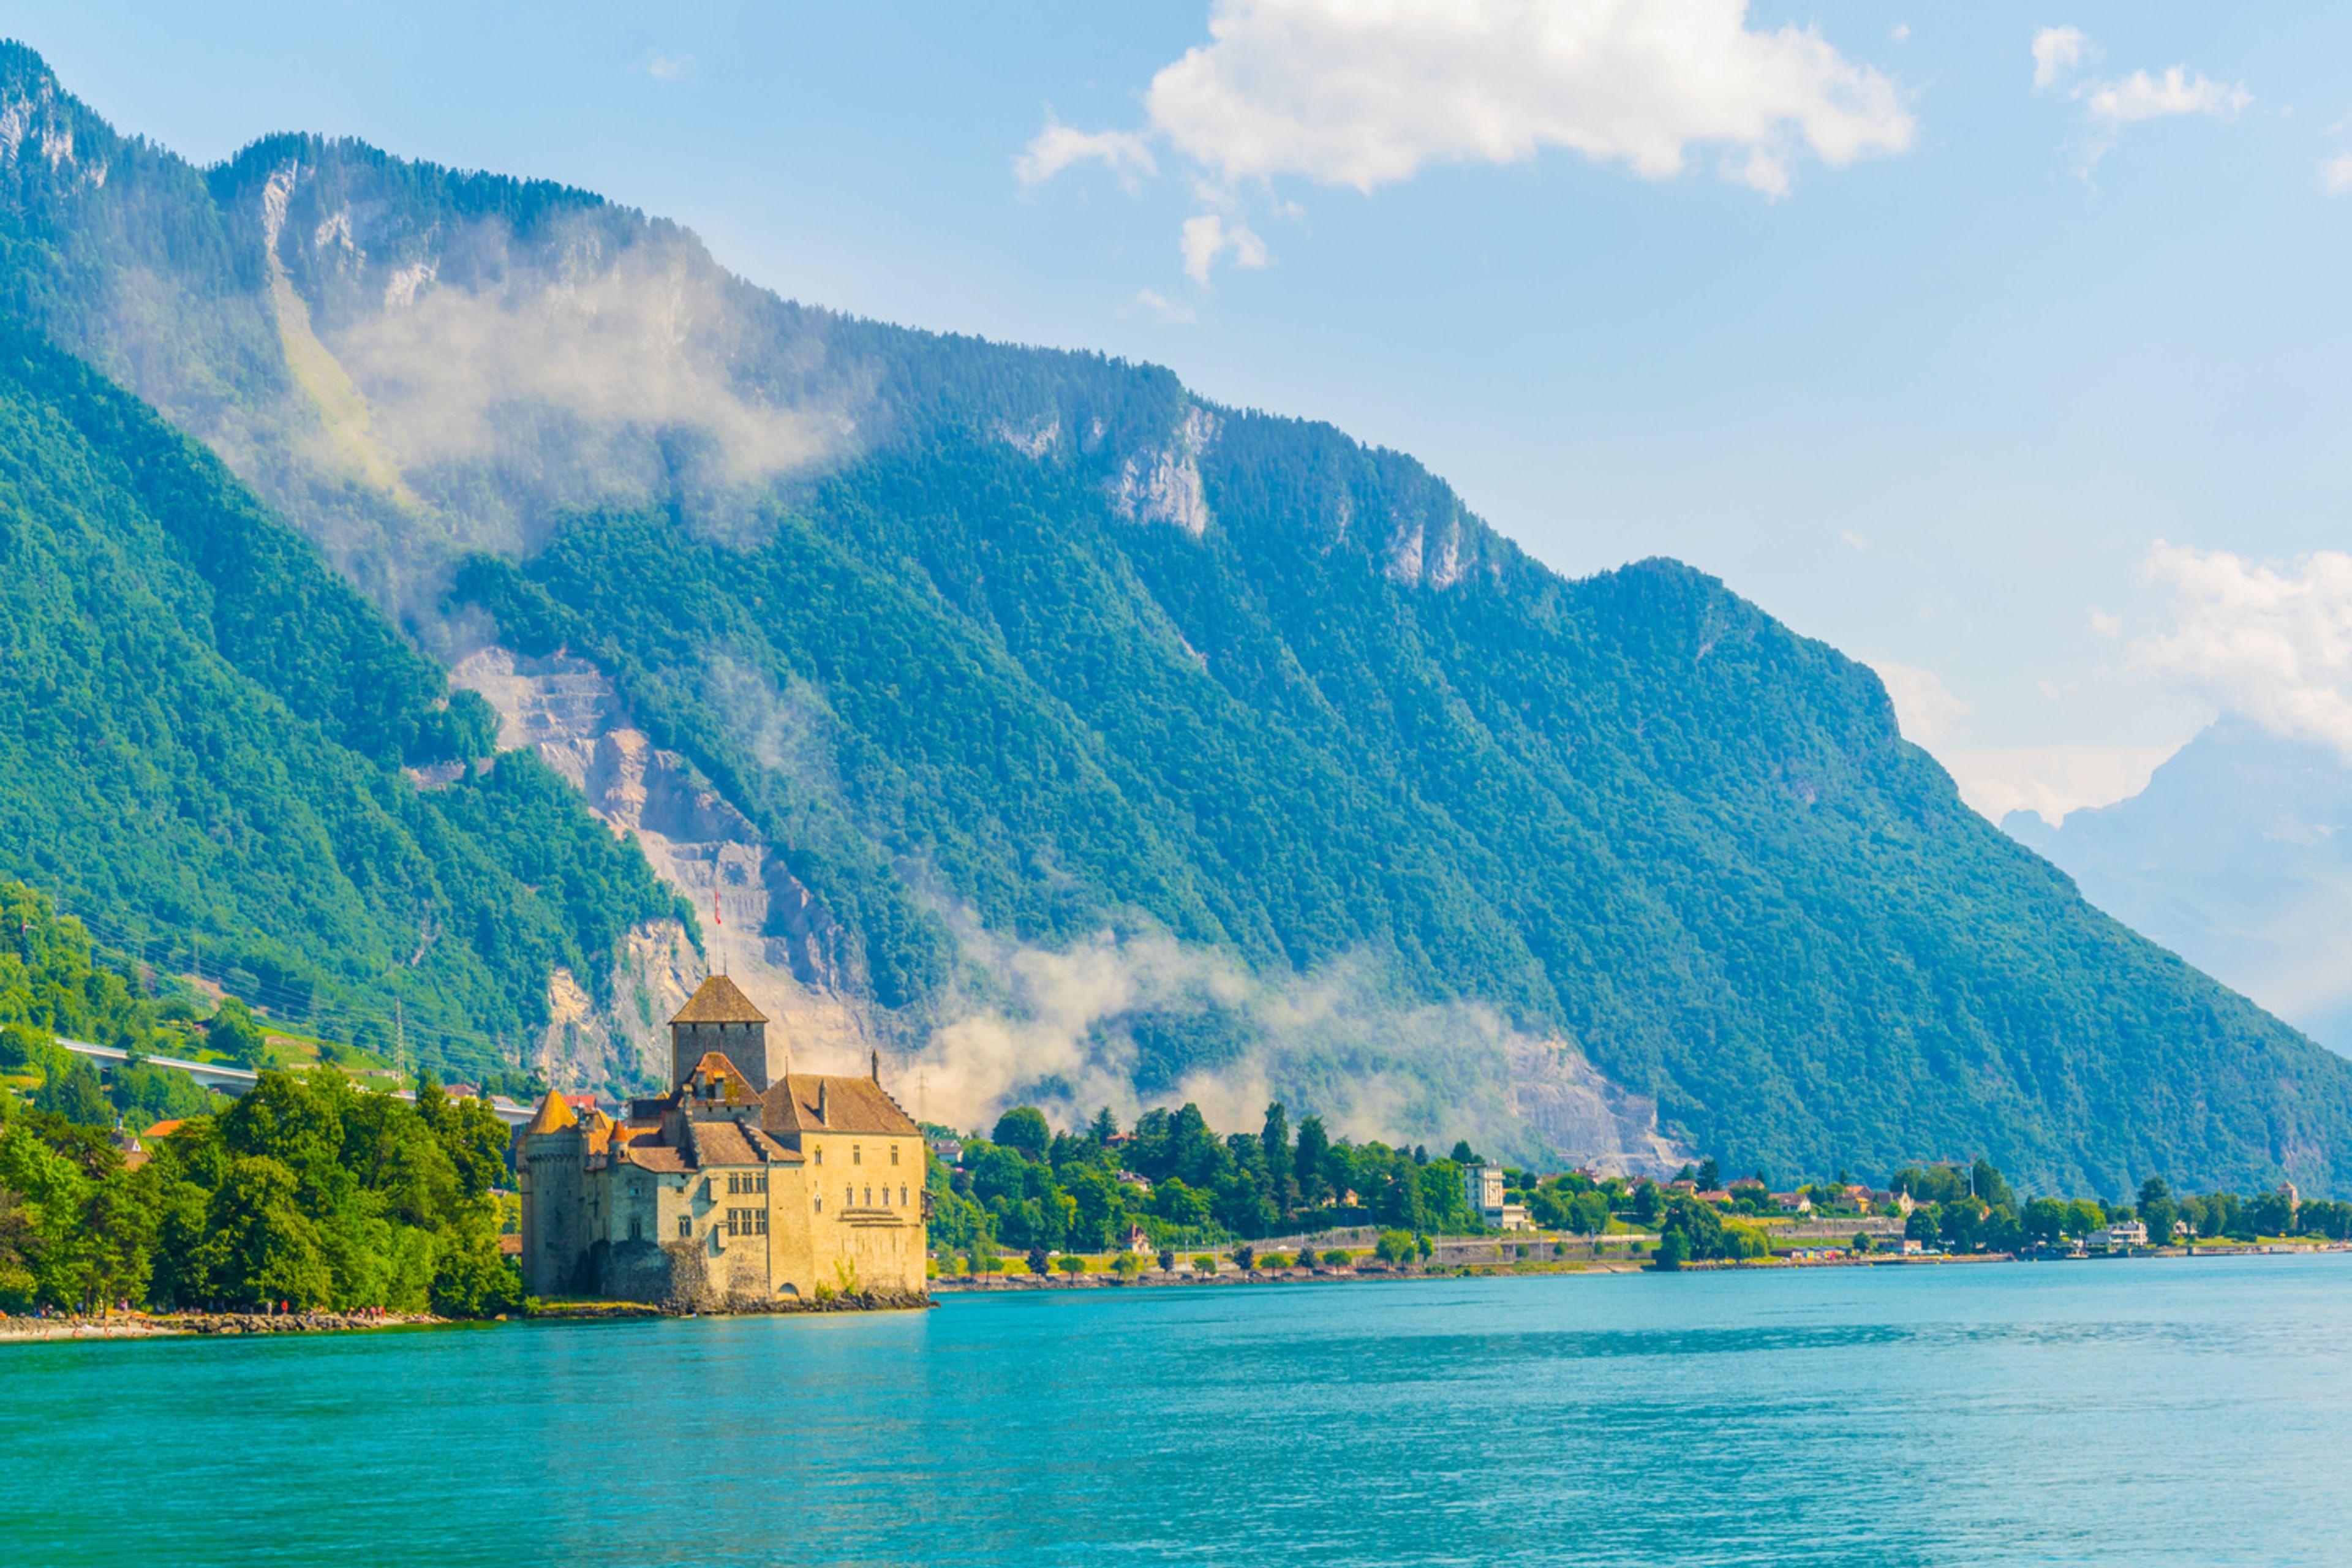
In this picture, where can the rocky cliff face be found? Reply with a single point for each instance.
(760, 925)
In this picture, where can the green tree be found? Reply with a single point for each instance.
(259, 1247)
(1311, 1166)
(2158, 1210)
(1274, 1143)
(1590, 1213)
(1023, 1129)
(76, 1095)
(237, 1035)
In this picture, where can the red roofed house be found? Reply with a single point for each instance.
(733, 1187)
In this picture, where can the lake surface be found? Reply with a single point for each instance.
(2160, 1412)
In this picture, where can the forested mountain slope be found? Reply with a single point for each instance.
(1101, 741)
(202, 734)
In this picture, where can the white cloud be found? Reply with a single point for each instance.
(2050, 781)
(1366, 94)
(2336, 175)
(2109, 106)
(669, 67)
(1853, 540)
(2105, 624)
(1162, 306)
(1900, 32)
(1059, 147)
(2179, 91)
(2056, 52)
(1925, 706)
(2268, 641)
(1208, 236)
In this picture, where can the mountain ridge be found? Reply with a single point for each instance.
(1136, 746)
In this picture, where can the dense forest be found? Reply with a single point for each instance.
(306, 1191)
(1003, 647)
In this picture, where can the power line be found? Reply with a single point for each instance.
(287, 1002)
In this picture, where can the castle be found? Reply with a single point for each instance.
(734, 1187)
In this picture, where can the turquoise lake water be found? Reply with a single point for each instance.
(2162, 1412)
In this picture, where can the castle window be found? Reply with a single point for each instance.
(732, 1180)
(893, 1153)
(760, 1221)
(686, 1225)
(849, 1198)
(856, 1155)
(869, 1196)
(819, 1203)
(902, 1196)
(819, 1153)
(636, 1230)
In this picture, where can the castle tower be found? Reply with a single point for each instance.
(720, 1017)
(549, 1153)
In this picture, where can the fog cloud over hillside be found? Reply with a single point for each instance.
(1071, 1032)
(510, 386)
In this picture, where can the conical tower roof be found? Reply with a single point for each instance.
(553, 1115)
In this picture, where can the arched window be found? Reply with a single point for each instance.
(819, 1203)
(869, 1197)
(819, 1153)
(686, 1225)
(902, 1195)
(636, 1230)
(849, 1198)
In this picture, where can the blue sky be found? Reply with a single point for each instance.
(1840, 304)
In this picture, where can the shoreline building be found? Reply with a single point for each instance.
(732, 1186)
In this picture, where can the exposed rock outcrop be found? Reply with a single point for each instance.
(760, 923)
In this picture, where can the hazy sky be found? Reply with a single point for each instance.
(1920, 326)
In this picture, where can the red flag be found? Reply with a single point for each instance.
(716, 919)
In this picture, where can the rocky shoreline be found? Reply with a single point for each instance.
(142, 1326)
